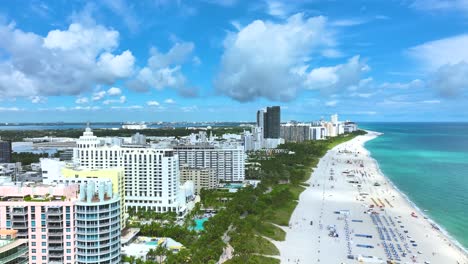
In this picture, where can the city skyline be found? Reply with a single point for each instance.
(203, 61)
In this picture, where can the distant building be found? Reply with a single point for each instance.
(12, 249)
(203, 178)
(296, 132)
(350, 127)
(272, 121)
(139, 139)
(5, 151)
(229, 163)
(261, 119)
(66, 154)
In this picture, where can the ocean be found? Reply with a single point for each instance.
(428, 162)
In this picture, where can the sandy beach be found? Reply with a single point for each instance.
(350, 213)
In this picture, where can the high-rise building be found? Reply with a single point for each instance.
(97, 224)
(260, 118)
(229, 163)
(203, 178)
(272, 122)
(296, 132)
(151, 175)
(5, 151)
(45, 215)
(77, 175)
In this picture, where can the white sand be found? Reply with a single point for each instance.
(306, 243)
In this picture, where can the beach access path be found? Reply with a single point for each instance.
(351, 213)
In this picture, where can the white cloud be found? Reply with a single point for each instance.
(277, 8)
(431, 102)
(98, 95)
(125, 11)
(64, 62)
(169, 101)
(414, 84)
(342, 76)
(434, 54)
(451, 80)
(38, 99)
(332, 103)
(165, 70)
(86, 108)
(188, 109)
(10, 109)
(114, 91)
(445, 62)
(82, 100)
(348, 22)
(121, 100)
(269, 60)
(152, 103)
(226, 3)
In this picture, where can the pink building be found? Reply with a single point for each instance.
(43, 214)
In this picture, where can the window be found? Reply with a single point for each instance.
(44, 251)
(44, 257)
(44, 244)
(68, 237)
(68, 244)
(33, 250)
(33, 244)
(33, 257)
(68, 251)
(68, 258)
(68, 230)
(33, 236)
(43, 236)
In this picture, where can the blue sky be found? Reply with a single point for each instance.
(209, 60)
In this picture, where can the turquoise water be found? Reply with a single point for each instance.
(234, 185)
(152, 243)
(429, 163)
(199, 224)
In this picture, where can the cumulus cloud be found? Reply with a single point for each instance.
(164, 70)
(399, 85)
(169, 101)
(451, 80)
(271, 60)
(98, 95)
(332, 103)
(330, 79)
(121, 100)
(38, 99)
(114, 91)
(445, 62)
(152, 103)
(64, 62)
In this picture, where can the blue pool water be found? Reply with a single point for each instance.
(152, 243)
(199, 224)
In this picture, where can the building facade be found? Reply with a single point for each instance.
(228, 163)
(151, 176)
(5, 151)
(272, 121)
(45, 215)
(203, 178)
(98, 224)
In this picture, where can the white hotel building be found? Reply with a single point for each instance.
(151, 175)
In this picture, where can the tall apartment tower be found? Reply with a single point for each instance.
(97, 224)
(260, 118)
(272, 122)
(151, 175)
(5, 151)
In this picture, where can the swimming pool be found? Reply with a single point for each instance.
(199, 224)
(234, 185)
(152, 243)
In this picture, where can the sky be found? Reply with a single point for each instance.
(222, 60)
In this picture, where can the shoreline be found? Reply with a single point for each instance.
(339, 204)
(443, 231)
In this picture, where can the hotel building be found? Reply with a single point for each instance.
(203, 178)
(151, 176)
